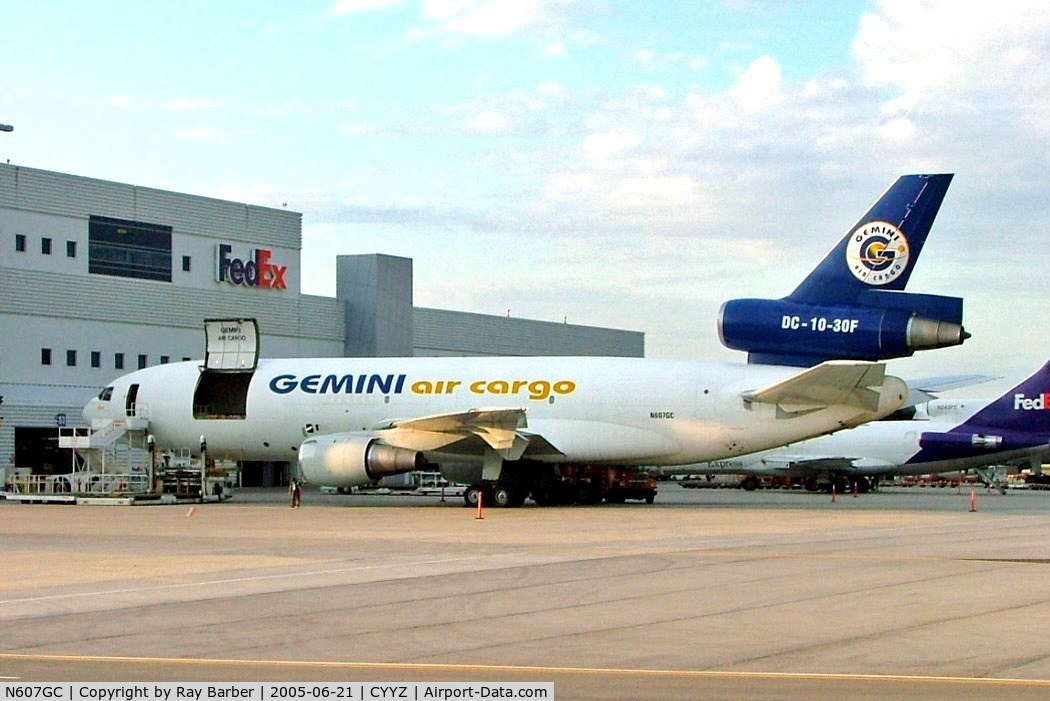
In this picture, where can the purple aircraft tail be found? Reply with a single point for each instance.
(1025, 408)
(1017, 420)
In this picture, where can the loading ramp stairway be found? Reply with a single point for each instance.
(110, 445)
(116, 457)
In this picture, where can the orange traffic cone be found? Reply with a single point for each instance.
(481, 508)
(973, 500)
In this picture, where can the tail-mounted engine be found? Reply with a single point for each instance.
(784, 332)
(960, 443)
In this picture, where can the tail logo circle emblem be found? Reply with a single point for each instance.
(877, 253)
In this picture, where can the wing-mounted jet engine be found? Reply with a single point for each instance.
(852, 306)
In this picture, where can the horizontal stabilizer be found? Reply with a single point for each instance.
(943, 383)
(840, 383)
(923, 390)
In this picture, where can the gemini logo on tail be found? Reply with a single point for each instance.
(1038, 403)
(877, 253)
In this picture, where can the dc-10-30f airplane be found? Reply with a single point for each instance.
(528, 422)
(945, 435)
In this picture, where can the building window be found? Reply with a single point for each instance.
(20, 243)
(142, 361)
(118, 361)
(45, 356)
(127, 248)
(186, 263)
(185, 358)
(96, 359)
(164, 360)
(71, 249)
(45, 246)
(71, 358)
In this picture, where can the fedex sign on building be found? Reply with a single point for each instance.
(256, 270)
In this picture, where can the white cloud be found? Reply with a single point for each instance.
(487, 18)
(663, 191)
(954, 48)
(759, 85)
(899, 129)
(610, 144)
(489, 122)
(555, 49)
(550, 89)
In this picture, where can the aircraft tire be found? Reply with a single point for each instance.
(472, 494)
(505, 497)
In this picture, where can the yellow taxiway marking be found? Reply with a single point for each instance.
(522, 669)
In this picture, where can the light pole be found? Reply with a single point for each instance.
(7, 127)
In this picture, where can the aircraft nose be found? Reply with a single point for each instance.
(92, 410)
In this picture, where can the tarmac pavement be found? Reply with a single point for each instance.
(706, 594)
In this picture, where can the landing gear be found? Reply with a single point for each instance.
(550, 485)
(507, 496)
(475, 493)
(498, 494)
(839, 483)
(749, 483)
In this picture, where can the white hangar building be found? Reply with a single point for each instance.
(100, 278)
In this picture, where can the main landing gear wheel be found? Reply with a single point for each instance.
(473, 494)
(507, 497)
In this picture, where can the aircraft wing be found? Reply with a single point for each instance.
(834, 382)
(499, 428)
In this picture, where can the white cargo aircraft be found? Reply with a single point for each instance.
(355, 420)
(535, 425)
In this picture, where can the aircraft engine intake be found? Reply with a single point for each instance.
(348, 460)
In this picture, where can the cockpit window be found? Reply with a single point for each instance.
(105, 394)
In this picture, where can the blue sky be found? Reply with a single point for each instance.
(627, 164)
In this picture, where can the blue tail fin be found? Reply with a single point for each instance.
(852, 305)
(879, 251)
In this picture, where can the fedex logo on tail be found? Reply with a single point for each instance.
(1039, 402)
(257, 271)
